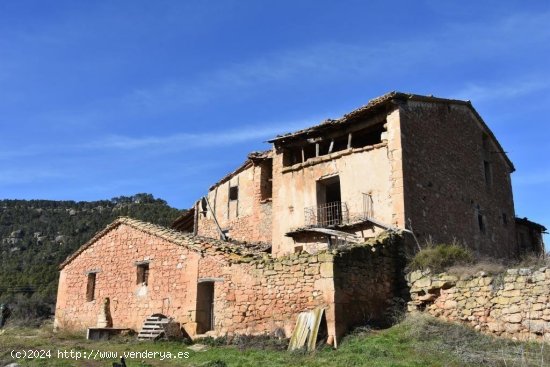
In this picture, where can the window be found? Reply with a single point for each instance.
(266, 179)
(142, 274)
(234, 193)
(480, 220)
(504, 219)
(90, 288)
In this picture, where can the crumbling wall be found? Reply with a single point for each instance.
(265, 295)
(364, 170)
(446, 193)
(515, 304)
(248, 218)
(369, 283)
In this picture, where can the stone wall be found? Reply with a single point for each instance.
(265, 295)
(444, 180)
(515, 304)
(368, 282)
(246, 219)
(252, 293)
(171, 286)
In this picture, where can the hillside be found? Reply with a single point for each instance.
(37, 235)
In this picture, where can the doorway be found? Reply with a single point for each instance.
(329, 202)
(205, 307)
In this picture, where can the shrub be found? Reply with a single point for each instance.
(440, 257)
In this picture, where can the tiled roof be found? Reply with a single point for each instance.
(195, 243)
(373, 106)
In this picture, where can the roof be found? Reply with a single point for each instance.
(185, 222)
(195, 243)
(530, 224)
(378, 104)
(253, 158)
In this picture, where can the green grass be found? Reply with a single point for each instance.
(417, 341)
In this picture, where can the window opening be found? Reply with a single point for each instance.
(90, 287)
(143, 274)
(266, 179)
(234, 193)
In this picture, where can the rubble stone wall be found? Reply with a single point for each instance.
(246, 219)
(368, 282)
(171, 287)
(515, 304)
(266, 295)
(444, 179)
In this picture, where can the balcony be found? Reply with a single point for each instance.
(327, 215)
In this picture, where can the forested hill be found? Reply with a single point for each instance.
(37, 235)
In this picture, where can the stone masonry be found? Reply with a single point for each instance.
(252, 293)
(514, 304)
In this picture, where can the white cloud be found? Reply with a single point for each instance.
(194, 140)
(511, 89)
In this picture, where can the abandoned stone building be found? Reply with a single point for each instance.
(313, 222)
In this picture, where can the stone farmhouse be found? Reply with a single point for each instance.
(320, 220)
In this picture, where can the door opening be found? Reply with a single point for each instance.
(205, 307)
(329, 202)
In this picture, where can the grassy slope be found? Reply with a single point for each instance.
(418, 341)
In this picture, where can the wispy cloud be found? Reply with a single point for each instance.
(186, 141)
(166, 143)
(510, 89)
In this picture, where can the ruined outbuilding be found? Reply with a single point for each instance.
(320, 220)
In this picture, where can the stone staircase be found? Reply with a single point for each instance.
(153, 328)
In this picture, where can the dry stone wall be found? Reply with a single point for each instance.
(514, 304)
(265, 295)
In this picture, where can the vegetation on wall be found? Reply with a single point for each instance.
(37, 235)
(440, 257)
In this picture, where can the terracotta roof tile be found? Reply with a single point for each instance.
(196, 243)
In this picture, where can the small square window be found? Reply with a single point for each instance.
(234, 193)
(143, 274)
(90, 287)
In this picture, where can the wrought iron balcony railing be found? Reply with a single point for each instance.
(326, 215)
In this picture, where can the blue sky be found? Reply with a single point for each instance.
(107, 98)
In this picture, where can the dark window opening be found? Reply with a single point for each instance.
(310, 151)
(369, 136)
(204, 206)
(266, 179)
(143, 274)
(90, 287)
(293, 156)
(487, 172)
(340, 143)
(481, 222)
(233, 193)
(504, 219)
(324, 147)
